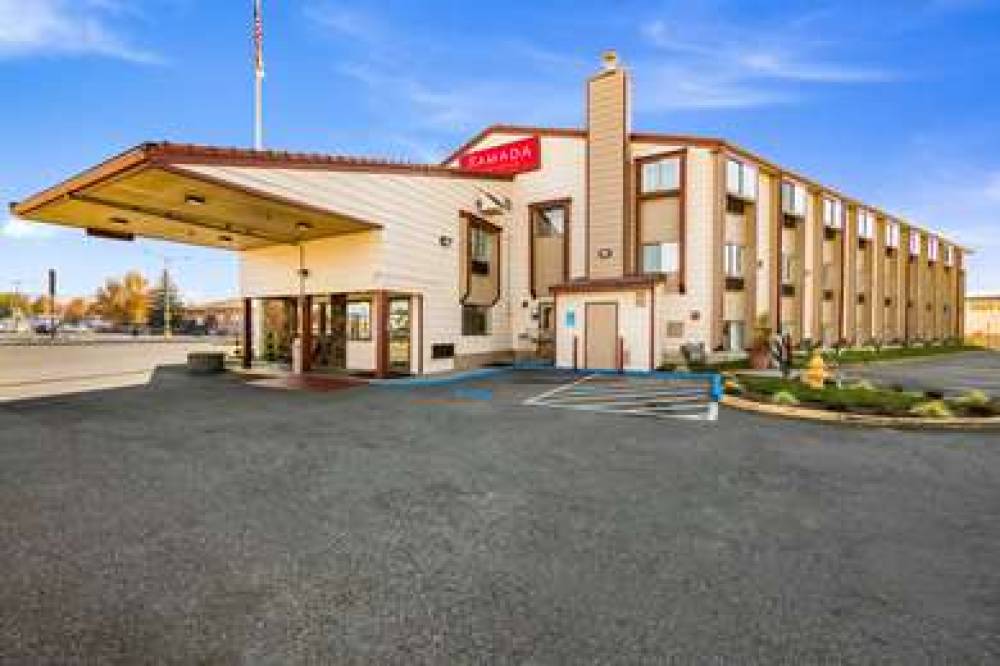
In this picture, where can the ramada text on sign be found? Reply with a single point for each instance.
(514, 157)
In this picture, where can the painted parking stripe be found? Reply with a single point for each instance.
(660, 396)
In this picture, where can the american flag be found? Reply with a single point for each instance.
(258, 37)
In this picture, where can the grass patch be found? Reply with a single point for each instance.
(871, 354)
(863, 398)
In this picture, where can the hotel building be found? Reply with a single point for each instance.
(598, 247)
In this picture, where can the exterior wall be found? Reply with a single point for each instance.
(405, 256)
(633, 326)
(607, 174)
(982, 320)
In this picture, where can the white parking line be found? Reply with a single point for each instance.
(653, 396)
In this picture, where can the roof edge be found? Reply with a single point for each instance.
(165, 153)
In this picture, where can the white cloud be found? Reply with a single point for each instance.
(711, 63)
(16, 229)
(62, 27)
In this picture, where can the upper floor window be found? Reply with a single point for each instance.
(550, 221)
(661, 257)
(741, 179)
(480, 250)
(787, 268)
(866, 224)
(733, 260)
(549, 246)
(914, 243)
(793, 199)
(949, 255)
(932, 248)
(833, 213)
(662, 175)
(892, 234)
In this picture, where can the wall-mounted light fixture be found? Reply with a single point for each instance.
(303, 226)
(194, 200)
(445, 241)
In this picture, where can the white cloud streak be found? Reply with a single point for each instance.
(15, 229)
(64, 28)
(710, 63)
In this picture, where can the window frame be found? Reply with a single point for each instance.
(658, 162)
(733, 253)
(746, 174)
(351, 337)
(487, 314)
(660, 246)
(833, 213)
(535, 209)
(793, 194)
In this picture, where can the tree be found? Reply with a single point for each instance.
(166, 292)
(124, 301)
(75, 311)
(42, 305)
(13, 303)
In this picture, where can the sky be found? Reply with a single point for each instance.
(896, 102)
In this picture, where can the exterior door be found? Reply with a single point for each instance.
(546, 350)
(399, 335)
(601, 336)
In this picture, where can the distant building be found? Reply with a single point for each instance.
(982, 319)
(223, 317)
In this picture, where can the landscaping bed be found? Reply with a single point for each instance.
(862, 398)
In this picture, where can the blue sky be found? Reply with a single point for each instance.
(895, 102)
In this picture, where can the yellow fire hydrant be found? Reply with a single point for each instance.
(815, 373)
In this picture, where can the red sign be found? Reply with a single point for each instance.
(513, 157)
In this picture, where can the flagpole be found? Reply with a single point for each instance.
(258, 33)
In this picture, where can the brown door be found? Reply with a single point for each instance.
(546, 350)
(399, 335)
(601, 335)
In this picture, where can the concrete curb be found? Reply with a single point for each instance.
(807, 414)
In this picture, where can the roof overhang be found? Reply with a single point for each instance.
(154, 190)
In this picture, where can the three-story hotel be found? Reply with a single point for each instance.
(600, 247)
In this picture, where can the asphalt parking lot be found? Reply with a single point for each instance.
(203, 520)
(952, 374)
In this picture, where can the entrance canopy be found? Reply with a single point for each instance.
(153, 191)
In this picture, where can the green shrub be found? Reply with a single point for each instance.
(933, 408)
(862, 385)
(784, 398)
(974, 398)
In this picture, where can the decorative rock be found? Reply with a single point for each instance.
(206, 363)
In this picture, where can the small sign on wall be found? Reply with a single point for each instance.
(570, 318)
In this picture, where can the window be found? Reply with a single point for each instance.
(932, 248)
(475, 320)
(787, 268)
(915, 243)
(549, 248)
(733, 260)
(663, 175)
(793, 199)
(550, 222)
(892, 234)
(866, 224)
(949, 255)
(833, 213)
(660, 258)
(741, 179)
(480, 250)
(733, 333)
(359, 321)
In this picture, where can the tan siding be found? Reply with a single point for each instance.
(607, 159)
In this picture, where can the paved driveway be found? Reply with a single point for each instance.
(951, 373)
(206, 521)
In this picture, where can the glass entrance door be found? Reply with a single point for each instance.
(399, 334)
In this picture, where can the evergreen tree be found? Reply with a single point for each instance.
(165, 291)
